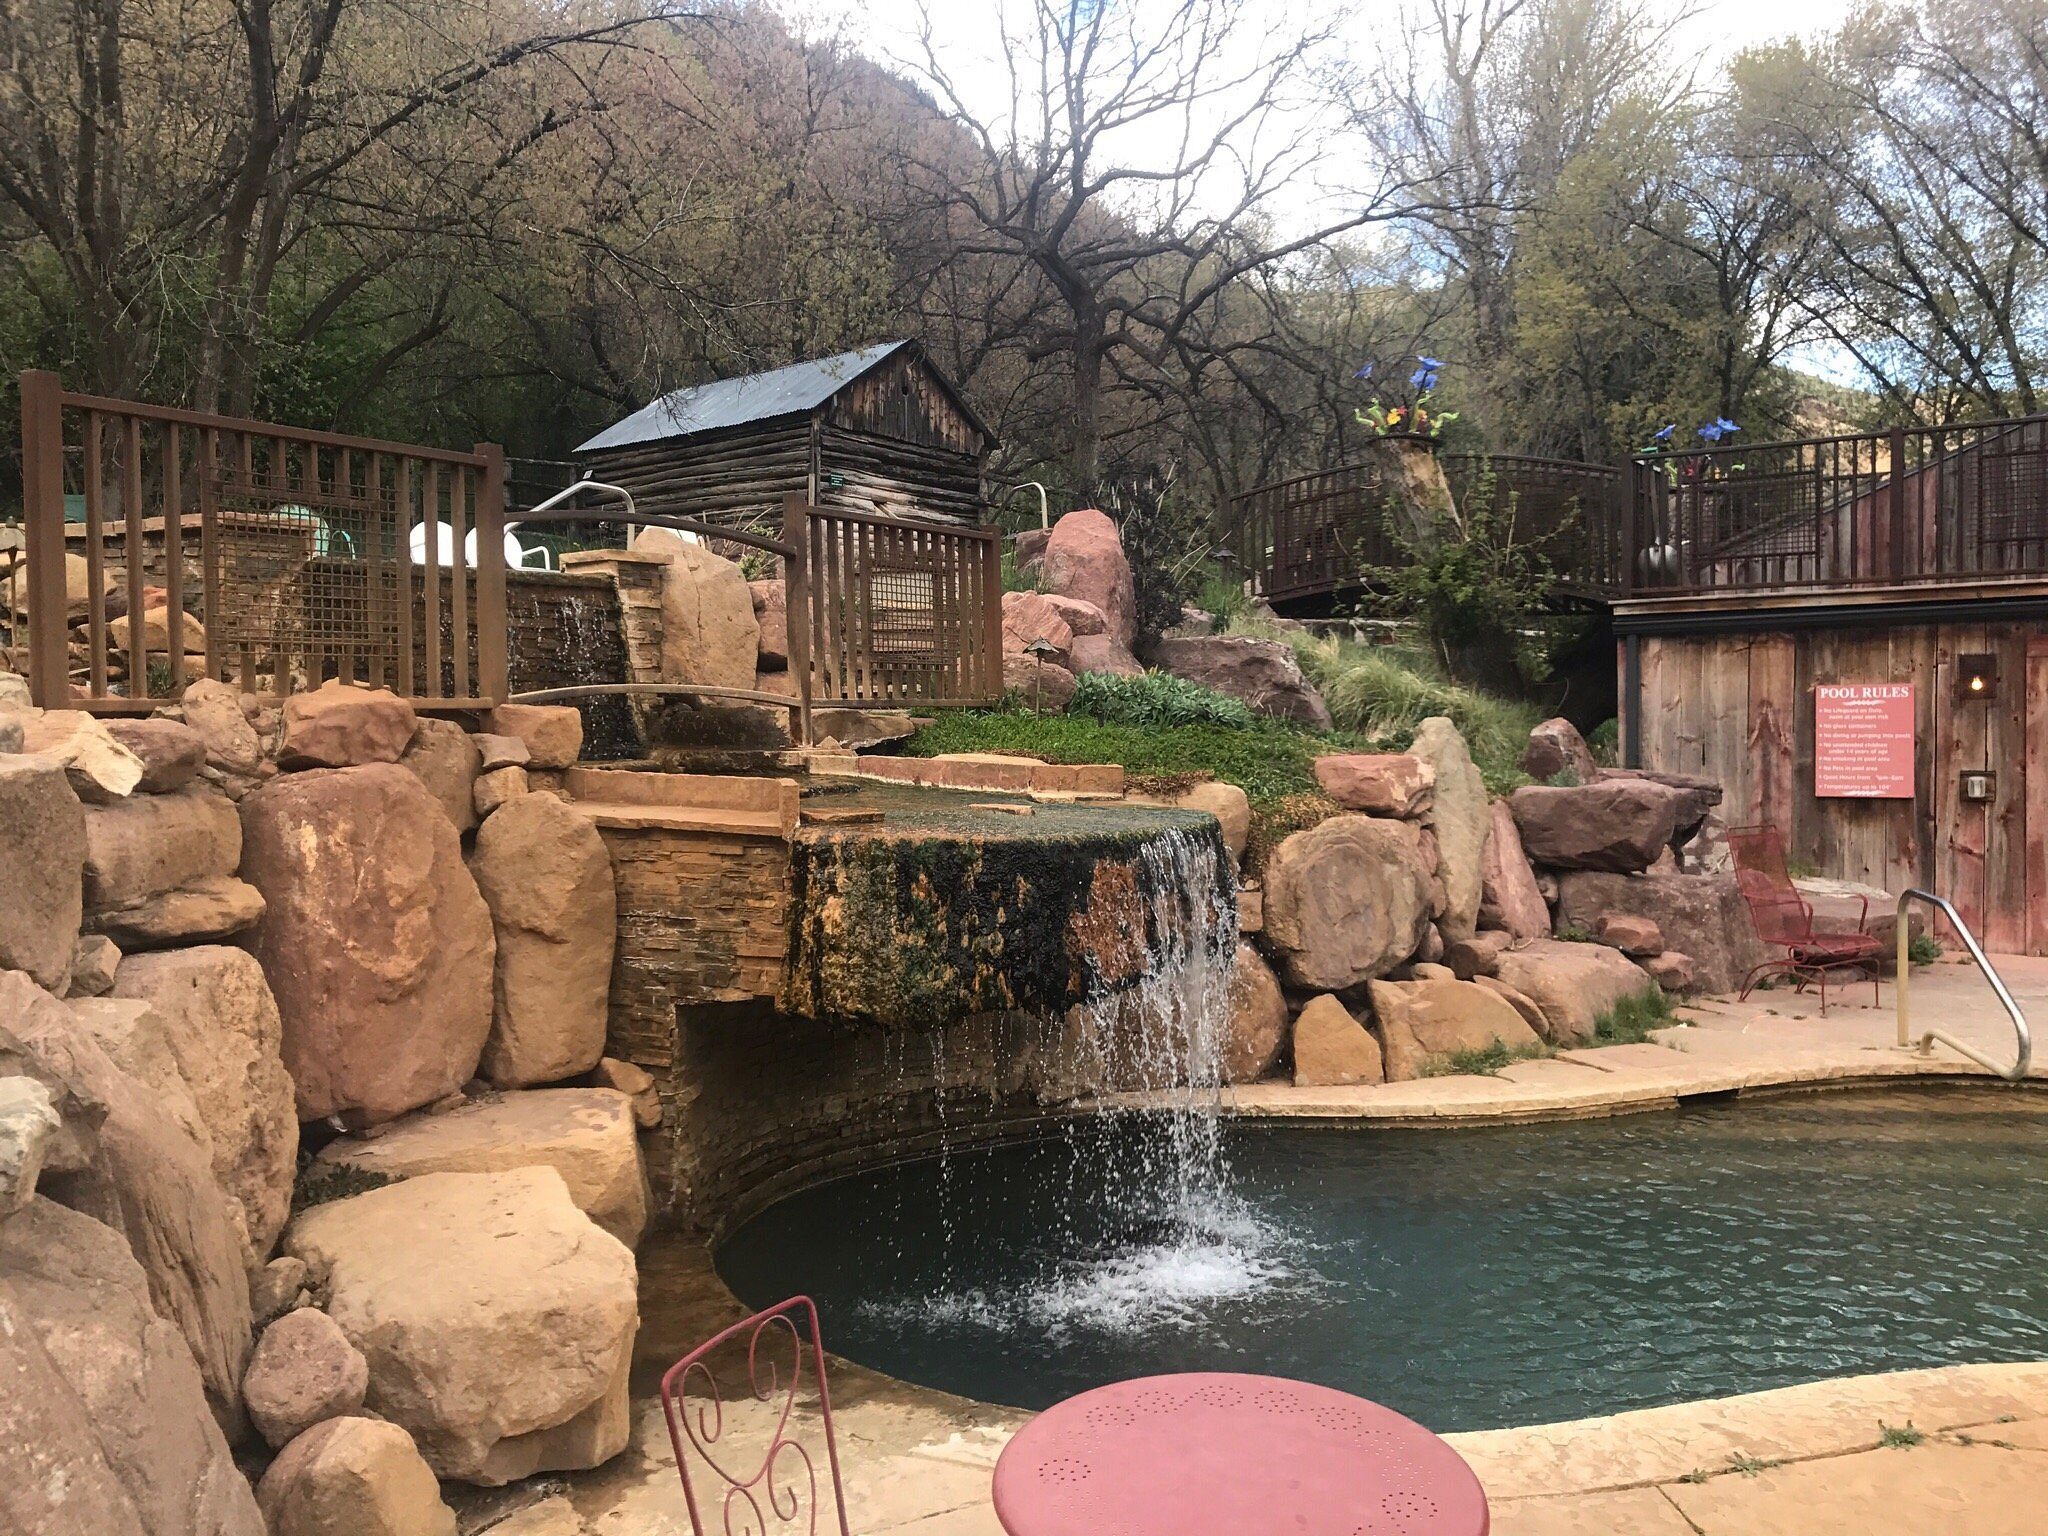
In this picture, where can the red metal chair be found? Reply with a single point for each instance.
(780, 1491)
(1784, 919)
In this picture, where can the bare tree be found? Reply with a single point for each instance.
(1132, 157)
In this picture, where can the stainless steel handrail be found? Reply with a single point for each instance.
(2019, 1067)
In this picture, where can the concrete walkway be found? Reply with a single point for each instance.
(1955, 1451)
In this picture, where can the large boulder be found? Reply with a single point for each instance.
(1394, 784)
(1572, 985)
(1258, 1019)
(1029, 618)
(1084, 559)
(1557, 751)
(1619, 825)
(100, 768)
(344, 725)
(42, 841)
(1703, 916)
(303, 1370)
(1422, 1019)
(353, 1476)
(708, 631)
(29, 1123)
(1461, 821)
(1263, 673)
(238, 755)
(1231, 807)
(171, 753)
(447, 760)
(375, 940)
(147, 846)
(104, 1429)
(133, 1038)
(1346, 900)
(1040, 684)
(551, 733)
(122, 1162)
(216, 1016)
(545, 875)
(497, 1318)
(1332, 1049)
(1508, 896)
(1083, 618)
(587, 1135)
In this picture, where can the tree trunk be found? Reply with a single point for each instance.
(1419, 494)
(1087, 456)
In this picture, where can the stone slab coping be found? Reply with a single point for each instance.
(754, 801)
(764, 825)
(575, 558)
(984, 770)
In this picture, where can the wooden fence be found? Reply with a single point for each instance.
(277, 558)
(255, 553)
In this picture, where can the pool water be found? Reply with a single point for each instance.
(1470, 1279)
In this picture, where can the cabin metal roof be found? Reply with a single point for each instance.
(796, 390)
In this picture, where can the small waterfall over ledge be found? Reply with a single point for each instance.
(1113, 931)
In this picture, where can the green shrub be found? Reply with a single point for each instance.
(1922, 950)
(1605, 743)
(1156, 701)
(335, 1181)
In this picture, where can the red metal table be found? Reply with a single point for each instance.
(1212, 1454)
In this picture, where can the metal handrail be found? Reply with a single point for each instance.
(2019, 1067)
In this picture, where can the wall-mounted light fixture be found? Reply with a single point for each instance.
(1977, 785)
(1976, 676)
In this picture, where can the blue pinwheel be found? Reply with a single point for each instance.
(1663, 433)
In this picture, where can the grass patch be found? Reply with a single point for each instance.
(1630, 1021)
(325, 1182)
(1898, 1436)
(1572, 933)
(1485, 1060)
(1750, 1466)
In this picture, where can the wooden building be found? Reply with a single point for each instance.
(875, 430)
(1851, 635)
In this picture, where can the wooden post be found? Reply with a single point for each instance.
(42, 486)
(796, 605)
(1898, 505)
(491, 680)
(992, 617)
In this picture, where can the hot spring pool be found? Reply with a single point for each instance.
(1470, 1279)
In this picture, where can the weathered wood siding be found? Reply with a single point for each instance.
(1739, 708)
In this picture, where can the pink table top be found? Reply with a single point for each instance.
(1210, 1454)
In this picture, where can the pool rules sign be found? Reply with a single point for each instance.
(1863, 741)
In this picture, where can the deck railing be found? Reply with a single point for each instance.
(1915, 504)
(1322, 533)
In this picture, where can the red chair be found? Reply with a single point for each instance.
(780, 1491)
(1784, 920)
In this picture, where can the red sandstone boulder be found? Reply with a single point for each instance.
(42, 827)
(172, 753)
(771, 618)
(302, 1371)
(1084, 559)
(1702, 916)
(1377, 783)
(375, 940)
(342, 725)
(1258, 1019)
(1263, 673)
(1039, 684)
(1459, 818)
(1440, 1016)
(1346, 900)
(353, 1475)
(1672, 971)
(1103, 653)
(1509, 896)
(1029, 619)
(1083, 618)
(1618, 825)
(552, 733)
(1332, 1049)
(1634, 936)
(709, 633)
(1571, 985)
(547, 880)
(1031, 548)
(1556, 747)
(1478, 955)
(447, 760)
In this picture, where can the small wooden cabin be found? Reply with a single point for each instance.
(875, 430)
(1851, 635)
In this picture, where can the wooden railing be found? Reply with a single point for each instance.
(1321, 533)
(264, 555)
(1854, 511)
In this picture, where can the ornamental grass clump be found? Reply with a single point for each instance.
(1156, 701)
